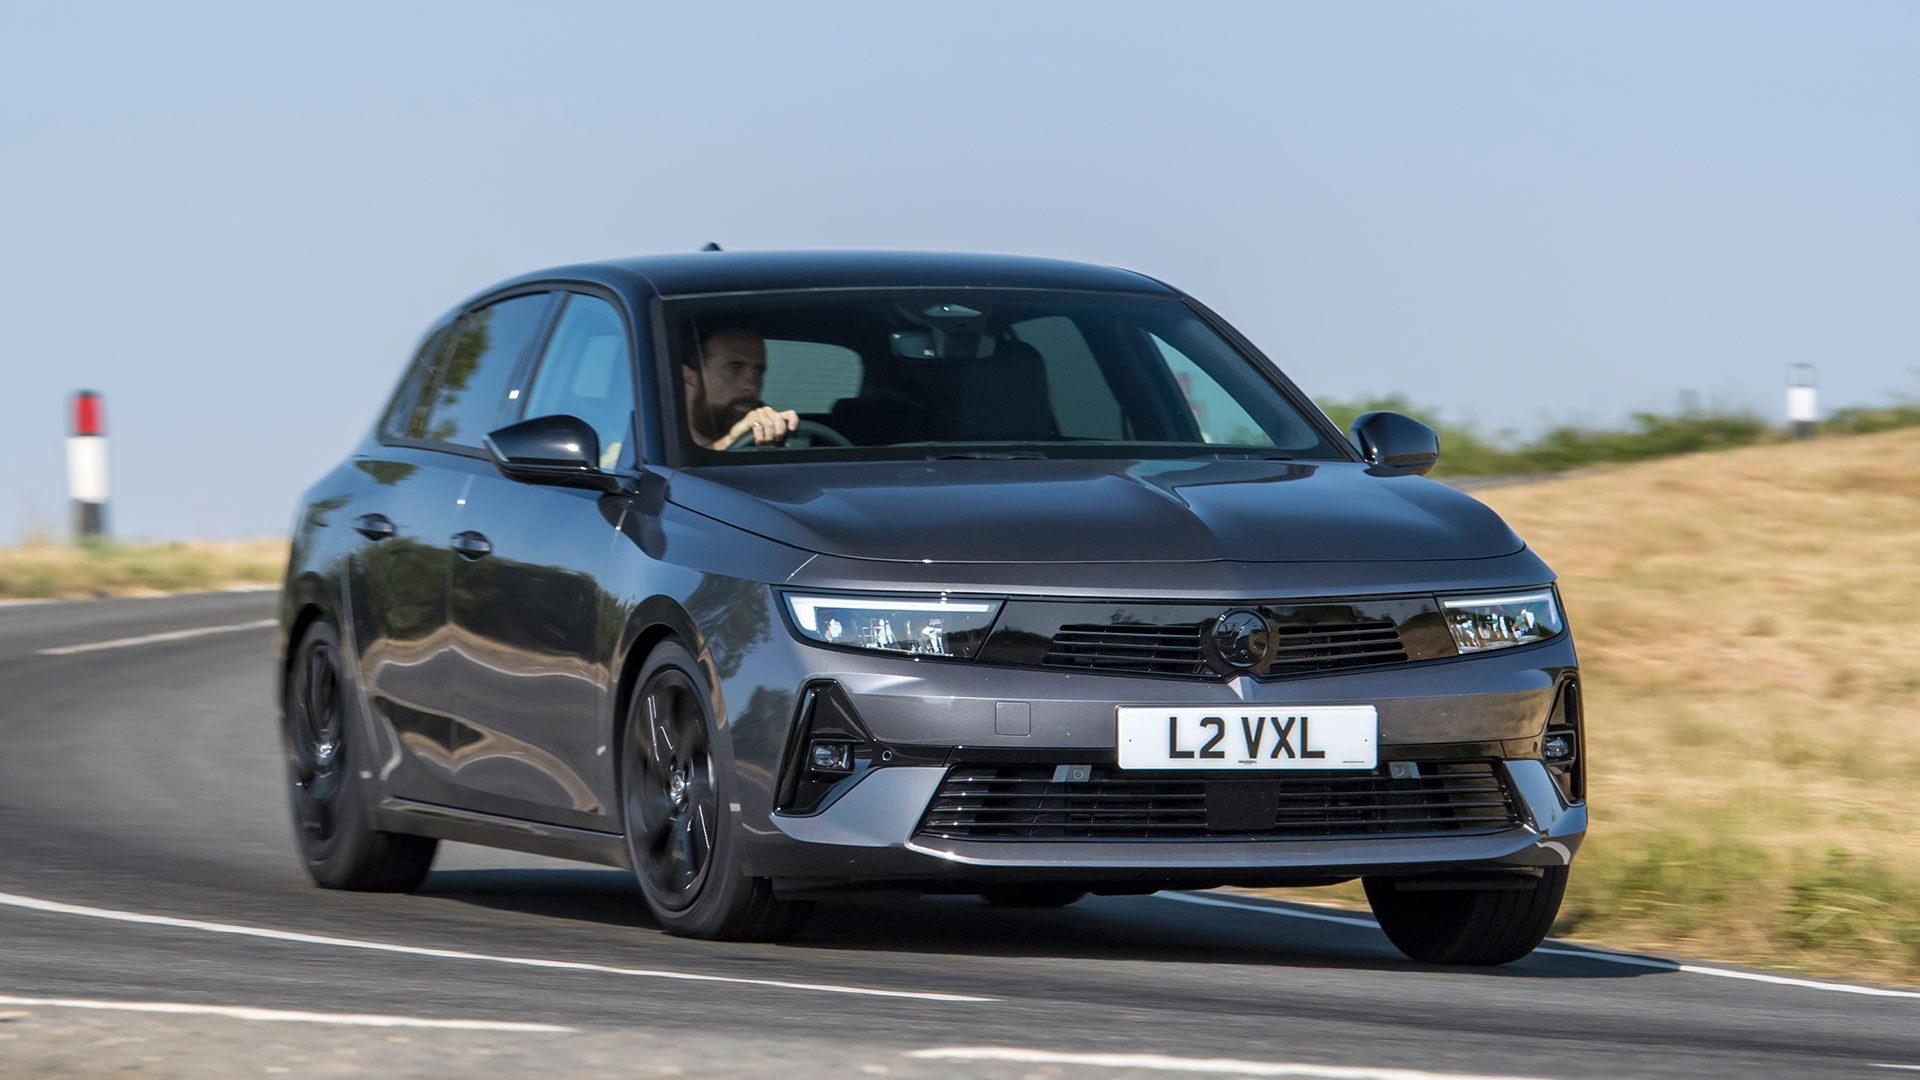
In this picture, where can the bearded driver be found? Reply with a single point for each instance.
(723, 392)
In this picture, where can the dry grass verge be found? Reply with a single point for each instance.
(1749, 633)
(49, 571)
(1748, 624)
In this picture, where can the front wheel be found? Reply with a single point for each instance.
(674, 784)
(1468, 926)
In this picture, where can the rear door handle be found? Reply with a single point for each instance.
(472, 545)
(373, 526)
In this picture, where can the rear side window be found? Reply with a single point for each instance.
(586, 372)
(406, 412)
(471, 389)
(810, 376)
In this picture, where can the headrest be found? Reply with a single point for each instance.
(1003, 397)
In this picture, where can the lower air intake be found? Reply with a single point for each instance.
(1022, 802)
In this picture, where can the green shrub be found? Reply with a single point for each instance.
(1467, 451)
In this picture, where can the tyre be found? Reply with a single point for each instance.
(1468, 926)
(673, 782)
(1033, 896)
(332, 824)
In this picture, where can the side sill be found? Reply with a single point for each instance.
(492, 830)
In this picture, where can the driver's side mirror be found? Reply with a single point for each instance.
(1388, 438)
(561, 450)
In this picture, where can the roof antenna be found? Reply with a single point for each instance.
(711, 246)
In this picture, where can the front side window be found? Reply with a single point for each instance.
(972, 372)
(586, 372)
(1219, 417)
(470, 391)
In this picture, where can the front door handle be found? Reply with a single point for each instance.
(373, 526)
(472, 545)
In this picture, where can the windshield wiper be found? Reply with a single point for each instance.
(1253, 455)
(986, 455)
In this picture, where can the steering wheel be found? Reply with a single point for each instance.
(815, 434)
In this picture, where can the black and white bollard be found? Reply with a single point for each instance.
(87, 465)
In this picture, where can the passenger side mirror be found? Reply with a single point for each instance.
(1387, 438)
(561, 450)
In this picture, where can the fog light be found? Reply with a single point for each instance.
(1558, 746)
(831, 757)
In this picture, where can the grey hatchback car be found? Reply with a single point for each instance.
(775, 575)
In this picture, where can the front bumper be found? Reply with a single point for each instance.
(867, 837)
(1489, 708)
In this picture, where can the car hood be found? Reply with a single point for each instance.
(1075, 511)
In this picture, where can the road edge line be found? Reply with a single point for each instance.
(1580, 951)
(249, 1012)
(55, 907)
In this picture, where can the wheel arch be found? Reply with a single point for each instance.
(656, 620)
(303, 604)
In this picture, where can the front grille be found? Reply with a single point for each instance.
(1336, 645)
(1135, 649)
(1023, 802)
(1143, 649)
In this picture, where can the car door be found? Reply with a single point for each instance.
(422, 471)
(533, 631)
(396, 576)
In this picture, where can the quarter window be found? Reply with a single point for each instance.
(407, 412)
(467, 397)
(587, 373)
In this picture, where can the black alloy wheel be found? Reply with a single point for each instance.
(675, 781)
(317, 719)
(332, 825)
(672, 807)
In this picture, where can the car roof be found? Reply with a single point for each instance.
(695, 273)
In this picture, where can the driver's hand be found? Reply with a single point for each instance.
(766, 424)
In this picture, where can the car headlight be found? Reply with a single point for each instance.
(923, 626)
(1480, 623)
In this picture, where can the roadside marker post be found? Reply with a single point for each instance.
(1803, 400)
(87, 465)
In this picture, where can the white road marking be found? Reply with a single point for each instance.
(57, 908)
(1165, 1063)
(1903, 1068)
(148, 639)
(243, 1012)
(1214, 901)
(1630, 960)
(138, 596)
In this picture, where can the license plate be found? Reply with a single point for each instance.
(1209, 737)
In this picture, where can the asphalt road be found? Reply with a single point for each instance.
(143, 781)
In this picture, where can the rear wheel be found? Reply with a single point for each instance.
(331, 824)
(674, 782)
(1033, 896)
(1468, 926)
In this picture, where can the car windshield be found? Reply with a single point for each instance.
(971, 373)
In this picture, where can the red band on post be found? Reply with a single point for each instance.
(89, 415)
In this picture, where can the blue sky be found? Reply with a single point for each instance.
(234, 220)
